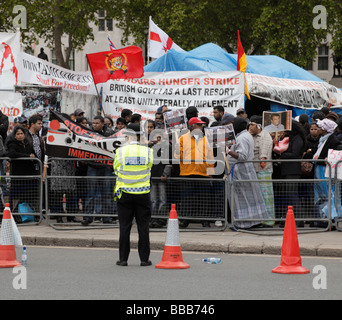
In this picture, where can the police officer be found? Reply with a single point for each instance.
(132, 166)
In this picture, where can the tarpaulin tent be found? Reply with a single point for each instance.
(304, 96)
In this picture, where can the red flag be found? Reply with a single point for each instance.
(242, 63)
(124, 63)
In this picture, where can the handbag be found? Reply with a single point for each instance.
(306, 167)
(282, 146)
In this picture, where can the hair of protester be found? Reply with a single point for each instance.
(206, 120)
(219, 108)
(325, 110)
(303, 118)
(135, 117)
(121, 120)
(99, 118)
(159, 114)
(126, 112)
(110, 119)
(318, 115)
(81, 119)
(35, 118)
(215, 124)
(297, 129)
(151, 121)
(256, 119)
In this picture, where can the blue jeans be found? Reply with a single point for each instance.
(100, 198)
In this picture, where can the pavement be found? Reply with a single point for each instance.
(323, 244)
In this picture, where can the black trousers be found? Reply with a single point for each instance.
(138, 206)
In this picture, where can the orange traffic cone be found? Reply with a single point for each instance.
(7, 249)
(291, 262)
(172, 257)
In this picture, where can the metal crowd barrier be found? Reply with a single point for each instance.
(24, 193)
(78, 195)
(337, 210)
(268, 200)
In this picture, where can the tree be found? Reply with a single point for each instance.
(287, 28)
(191, 23)
(51, 20)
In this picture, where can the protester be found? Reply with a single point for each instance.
(292, 170)
(160, 172)
(78, 113)
(159, 120)
(109, 122)
(218, 113)
(120, 124)
(241, 113)
(248, 200)
(136, 118)
(99, 198)
(22, 190)
(83, 121)
(321, 190)
(35, 125)
(304, 122)
(263, 146)
(194, 153)
(127, 115)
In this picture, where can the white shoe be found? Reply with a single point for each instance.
(218, 223)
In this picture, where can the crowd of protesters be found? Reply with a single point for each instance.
(245, 160)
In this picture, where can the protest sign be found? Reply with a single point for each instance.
(334, 156)
(40, 100)
(175, 120)
(11, 105)
(9, 51)
(175, 90)
(67, 139)
(33, 70)
(277, 121)
(298, 93)
(220, 136)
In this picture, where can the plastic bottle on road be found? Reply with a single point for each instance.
(24, 257)
(213, 260)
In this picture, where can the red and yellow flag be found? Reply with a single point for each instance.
(124, 63)
(242, 63)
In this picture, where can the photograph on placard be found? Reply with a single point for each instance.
(277, 121)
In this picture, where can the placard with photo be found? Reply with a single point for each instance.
(277, 121)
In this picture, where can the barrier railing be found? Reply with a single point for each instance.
(23, 192)
(71, 192)
(336, 212)
(89, 194)
(260, 203)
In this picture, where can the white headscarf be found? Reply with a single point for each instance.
(327, 125)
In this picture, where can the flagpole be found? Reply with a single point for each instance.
(98, 95)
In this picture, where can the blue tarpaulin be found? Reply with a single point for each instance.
(212, 58)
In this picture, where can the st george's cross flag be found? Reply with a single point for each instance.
(125, 63)
(159, 42)
(242, 63)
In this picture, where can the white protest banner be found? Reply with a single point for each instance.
(298, 93)
(9, 51)
(334, 156)
(33, 70)
(11, 105)
(175, 90)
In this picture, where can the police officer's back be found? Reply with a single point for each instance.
(132, 166)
